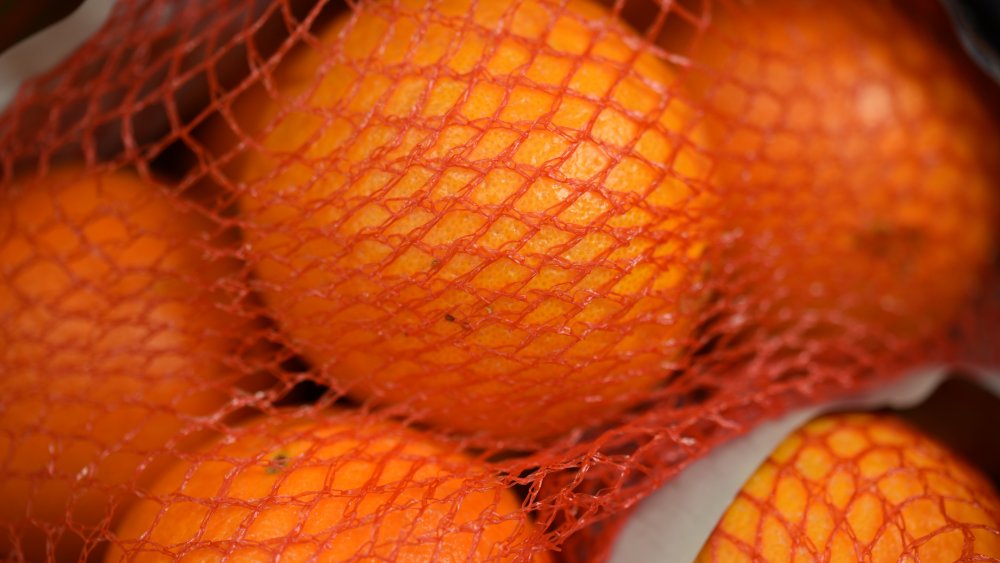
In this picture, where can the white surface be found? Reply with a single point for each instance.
(989, 381)
(45, 49)
(673, 523)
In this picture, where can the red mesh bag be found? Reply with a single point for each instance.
(463, 279)
(859, 486)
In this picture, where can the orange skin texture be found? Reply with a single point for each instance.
(860, 487)
(860, 167)
(110, 341)
(502, 232)
(331, 488)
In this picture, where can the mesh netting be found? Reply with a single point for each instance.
(464, 279)
(860, 488)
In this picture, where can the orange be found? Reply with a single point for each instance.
(327, 488)
(860, 487)
(860, 166)
(112, 339)
(490, 211)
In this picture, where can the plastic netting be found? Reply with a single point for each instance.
(571, 246)
(860, 487)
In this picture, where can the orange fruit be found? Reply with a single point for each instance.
(860, 487)
(860, 166)
(111, 344)
(327, 488)
(486, 210)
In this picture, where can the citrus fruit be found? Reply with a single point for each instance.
(860, 487)
(111, 341)
(327, 488)
(487, 210)
(860, 166)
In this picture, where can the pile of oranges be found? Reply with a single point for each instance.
(500, 223)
